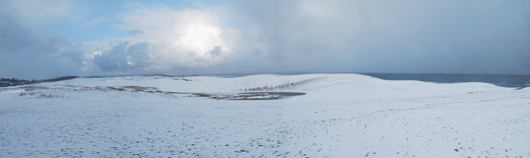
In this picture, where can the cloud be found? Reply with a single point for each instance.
(14, 37)
(215, 51)
(335, 36)
(95, 21)
(26, 56)
(35, 14)
(391, 36)
(181, 38)
(123, 56)
(136, 32)
(275, 36)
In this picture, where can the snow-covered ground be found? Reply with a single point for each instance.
(341, 115)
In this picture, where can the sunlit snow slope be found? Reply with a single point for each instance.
(341, 115)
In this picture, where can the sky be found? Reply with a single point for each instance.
(53, 38)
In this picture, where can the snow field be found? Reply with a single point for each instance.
(341, 116)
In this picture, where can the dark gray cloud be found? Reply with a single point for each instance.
(215, 51)
(23, 55)
(123, 56)
(136, 32)
(13, 37)
(394, 36)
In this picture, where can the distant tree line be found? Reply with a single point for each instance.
(94, 76)
(4, 82)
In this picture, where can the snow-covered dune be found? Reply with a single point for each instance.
(341, 115)
(320, 87)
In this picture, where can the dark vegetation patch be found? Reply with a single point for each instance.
(30, 88)
(39, 95)
(201, 94)
(139, 89)
(520, 88)
(29, 91)
(248, 96)
(116, 89)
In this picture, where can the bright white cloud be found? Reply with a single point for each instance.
(181, 37)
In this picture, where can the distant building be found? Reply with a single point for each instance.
(4, 82)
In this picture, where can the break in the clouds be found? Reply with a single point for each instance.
(41, 40)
